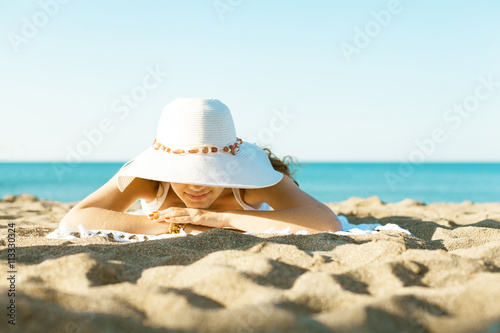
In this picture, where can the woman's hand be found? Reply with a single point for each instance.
(194, 216)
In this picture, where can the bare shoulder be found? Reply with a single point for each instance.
(282, 195)
(110, 197)
(142, 188)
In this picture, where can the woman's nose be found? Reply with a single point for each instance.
(196, 188)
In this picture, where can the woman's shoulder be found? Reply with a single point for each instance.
(146, 188)
(282, 195)
(257, 196)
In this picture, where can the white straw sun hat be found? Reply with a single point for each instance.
(196, 143)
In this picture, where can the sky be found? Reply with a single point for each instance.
(337, 81)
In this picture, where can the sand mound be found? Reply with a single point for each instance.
(444, 278)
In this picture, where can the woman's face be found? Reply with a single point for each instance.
(196, 196)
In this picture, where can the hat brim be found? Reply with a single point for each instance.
(249, 168)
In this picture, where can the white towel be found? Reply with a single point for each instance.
(347, 228)
(120, 236)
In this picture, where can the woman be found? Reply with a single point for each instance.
(217, 181)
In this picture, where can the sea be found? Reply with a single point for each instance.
(327, 182)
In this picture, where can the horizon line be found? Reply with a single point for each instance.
(299, 162)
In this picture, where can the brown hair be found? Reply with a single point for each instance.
(282, 166)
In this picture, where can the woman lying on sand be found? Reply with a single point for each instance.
(217, 181)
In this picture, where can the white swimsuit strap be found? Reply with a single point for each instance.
(150, 207)
(237, 195)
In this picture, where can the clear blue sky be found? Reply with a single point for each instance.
(349, 96)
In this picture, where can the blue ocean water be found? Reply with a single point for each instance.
(328, 182)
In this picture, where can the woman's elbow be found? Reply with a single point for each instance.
(335, 223)
(70, 220)
(332, 222)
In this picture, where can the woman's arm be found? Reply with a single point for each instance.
(311, 218)
(105, 209)
(99, 218)
(293, 208)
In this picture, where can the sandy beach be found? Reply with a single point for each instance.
(445, 277)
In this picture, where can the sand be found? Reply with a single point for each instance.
(445, 277)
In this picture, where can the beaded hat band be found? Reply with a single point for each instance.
(233, 149)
